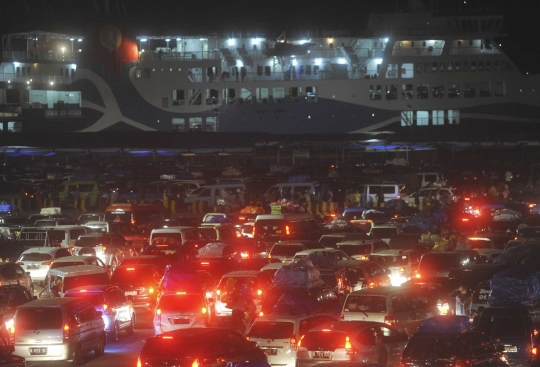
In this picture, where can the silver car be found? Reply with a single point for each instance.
(179, 310)
(110, 248)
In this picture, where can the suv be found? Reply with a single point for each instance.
(401, 263)
(117, 312)
(111, 248)
(139, 282)
(439, 264)
(38, 260)
(286, 250)
(58, 329)
(402, 307)
(272, 228)
(278, 335)
(334, 255)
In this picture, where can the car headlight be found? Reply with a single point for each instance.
(10, 323)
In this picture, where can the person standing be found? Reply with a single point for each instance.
(380, 198)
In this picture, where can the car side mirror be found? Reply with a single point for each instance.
(99, 313)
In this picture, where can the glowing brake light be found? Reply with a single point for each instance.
(167, 337)
(158, 311)
(300, 341)
(130, 269)
(534, 351)
(139, 363)
(244, 255)
(46, 263)
(416, 274)
(195, 363)
(326, 330)
(259, 292)
(205, 263)
(180, 292)
(218, 291)
(204, 310)
(402, 270)
(261, 314)
(151, 290)
(82, 290)
(389, 320)
(287, 230)
(104, 249)
(348, 345)
(464, 219)
(292, 343)
(467, 199)
(65, 336)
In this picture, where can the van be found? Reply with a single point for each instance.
(404, 308)
(88, 191)
(58, 329)
(288, 190)
(135, 214)
(273, 228)
(427, 178)
(218, 194)
(70, 233)
(369, 192)
(74, 276)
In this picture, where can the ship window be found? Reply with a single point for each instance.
(392, 71)
(453, 117)
(195, 97)
(212, 97)
(195, 123)
(267, 71)
(450, 66)
(453, 91)
(146, 73)
(294, 94)
(484, 90)
(212, 74)
(469, 90)
(438, 91)
(229, 95)
(391, 92)
(458, 66)
(434, 66)
(418, 67)
(407, 70)
(442, 66)
(422, 91)
(245, 95)
(211, 124)
(437, 117)
(481, 66)
(473, 65)
(308, 69)
(195, 75)
(278, 94)
(262, 95)
(375, 92)
(178, 124)
(259, 70)
(311, 94)
(407, 118)
(496, 65)
(422, 118)
(426, 67)
(499, 89)
(177, 97)
(465, 66)
(407, 91)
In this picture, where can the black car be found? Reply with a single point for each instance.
(200, 347)
(160, 262)
(139, 282)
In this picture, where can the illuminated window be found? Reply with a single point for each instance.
(438, 117)
(422, 118)
(407, 118)
(262, 95)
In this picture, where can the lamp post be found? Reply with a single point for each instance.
(168, 40)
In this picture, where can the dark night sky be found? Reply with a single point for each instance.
(192, 16)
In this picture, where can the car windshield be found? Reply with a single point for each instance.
(95, 298)
(384, 232)
(132, 277)
(91, 241)
(181, 302)
(253, 281)
(35, 256)
(272, 330)
(286, 250)
(324, 340)
(86, 280)
(270, 226)
(503, 326)
(401, 260)
(43, 318)
(355, 249)
(365, 304)
(430, 348)
(61, 264)
(173, 235)
(118, 216)
(480, 243)
(176, 346)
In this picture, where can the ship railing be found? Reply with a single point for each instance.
(420, 51)
(35, 78)
(297, 76)
(179, 56)
(473, 51)
(40, 56)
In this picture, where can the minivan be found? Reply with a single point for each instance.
(369, 192)
(75, 276)
(218, 194)
(273, 228)
(58, 329)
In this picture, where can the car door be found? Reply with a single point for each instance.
(394, 342)
(122, 306)
(365, 344)
(233, 347)
(22, 277)
(89, 327)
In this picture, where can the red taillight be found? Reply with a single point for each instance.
(464, 219)
(348, 346)
(534, 351)
(139, 363)
(12, 335)
(104, 249)
(46, 263)
(203, 310)
(66, 333)
(389, 320)
(467, 199)
(261, 314)
(151, 290)
(417, 274)
(204, 263)
(253, 231)
(259, 292)
(195, 363)
(300, 341)
(287, 230)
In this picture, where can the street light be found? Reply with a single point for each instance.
(168, 40)
(72, 39)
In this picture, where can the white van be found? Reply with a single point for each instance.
(369, 192)
(71, 234)
(287, 190)
(218, 194)
(435, 178)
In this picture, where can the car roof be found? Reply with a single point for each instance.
(42, 250)
(172, 229)
(94, 287)
(283, 216)
(288, 317)
(345, 325)
(51, 302)
(86, 269)
(391, 252)
(143, 266)
(315, 250)
(379, 291)
(242, 273)
(73, 258)
(96, 235)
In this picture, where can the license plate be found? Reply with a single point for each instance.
(181, 321)
(510, 349)
(32, 266)
(131, 293)
(38, 351)
(270, 351)
(322, 355)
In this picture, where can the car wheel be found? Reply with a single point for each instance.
(77, 356)
(131, 328)
(100, 349)
(115, 332)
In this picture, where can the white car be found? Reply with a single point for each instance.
(385, 231)
(38, 260)
(179, 310)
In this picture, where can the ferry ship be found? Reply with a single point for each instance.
(414, 68)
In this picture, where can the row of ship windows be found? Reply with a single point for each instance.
(430, 118)
(438, 91)
(407, 70)
(196, 97)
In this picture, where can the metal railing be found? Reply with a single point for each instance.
(36, 56)
(179, 56)
(35, 78)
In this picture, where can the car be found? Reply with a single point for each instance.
(451, 337)
(139, 282)
(12, 296)
(273, 228)
(160, 262)
(360, 249)
(425, 192)
(199, 347)
(111, 248)
(285, 250)
(116, 310)
(439, 264)
(365, 274)
(385, 231)
(78, 260)
(58, 329)
(401, 263)
(330, 240)
(181, 309)
(333, 254)
(365, 341)
(278, 334)
(14, 274)
(37, 260)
